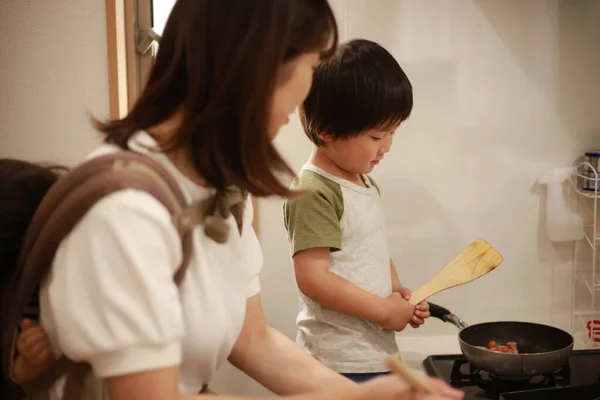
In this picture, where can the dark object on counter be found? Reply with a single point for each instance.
(591, 179)
(542, 349)
(578, 379)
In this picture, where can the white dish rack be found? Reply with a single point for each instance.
(586, 269)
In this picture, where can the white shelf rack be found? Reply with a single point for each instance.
(586, 270)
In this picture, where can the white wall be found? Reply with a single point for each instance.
(503, 91)
(53, 72)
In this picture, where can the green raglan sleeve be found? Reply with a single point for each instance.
(313, 219)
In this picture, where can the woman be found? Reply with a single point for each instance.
(226, 77)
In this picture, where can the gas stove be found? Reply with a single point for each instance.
(579, 379)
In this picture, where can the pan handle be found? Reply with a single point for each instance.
(445, 315)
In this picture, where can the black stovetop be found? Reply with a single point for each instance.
(579, 379)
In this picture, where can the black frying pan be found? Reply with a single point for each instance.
(542, 349)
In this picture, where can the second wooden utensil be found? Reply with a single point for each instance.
(413, 380)
(476, 260)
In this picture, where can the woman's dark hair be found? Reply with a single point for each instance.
(23, 185)
(218, 63)
(361, 87)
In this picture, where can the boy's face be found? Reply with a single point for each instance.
(359, 154)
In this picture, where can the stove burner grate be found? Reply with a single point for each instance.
(463, 374)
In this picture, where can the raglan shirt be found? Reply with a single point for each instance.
(110, 298)
(348, 219)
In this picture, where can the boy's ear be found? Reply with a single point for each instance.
(325, 137)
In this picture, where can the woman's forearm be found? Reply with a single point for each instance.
(295, 372)
(278, 363)
(355, 393)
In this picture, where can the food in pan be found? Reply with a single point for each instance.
(509, 348)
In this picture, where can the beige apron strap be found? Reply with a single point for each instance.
(212, 213)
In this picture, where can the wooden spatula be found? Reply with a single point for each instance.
(476, 260)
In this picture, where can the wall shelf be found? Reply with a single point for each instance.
(586, 273)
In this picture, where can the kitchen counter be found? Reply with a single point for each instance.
(414, 349)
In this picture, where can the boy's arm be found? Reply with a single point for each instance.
(313, 224)
(396, 284)
(334, 292)
(422, 309)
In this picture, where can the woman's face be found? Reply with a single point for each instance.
(292, 90)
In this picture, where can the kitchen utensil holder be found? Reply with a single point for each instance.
(585, 182)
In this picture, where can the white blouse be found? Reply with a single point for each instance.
(110, 299)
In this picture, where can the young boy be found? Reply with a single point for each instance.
(348, 284)
(29, 183)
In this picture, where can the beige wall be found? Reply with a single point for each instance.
(53, 71)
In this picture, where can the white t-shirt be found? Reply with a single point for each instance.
(348, 219)
(110, 299)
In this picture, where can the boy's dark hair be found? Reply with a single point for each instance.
(361, 87)
(23, 185)
(218, 63)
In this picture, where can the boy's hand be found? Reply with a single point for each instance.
(421, 311)
(399, 312)
(405, 293)
(35, 352)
